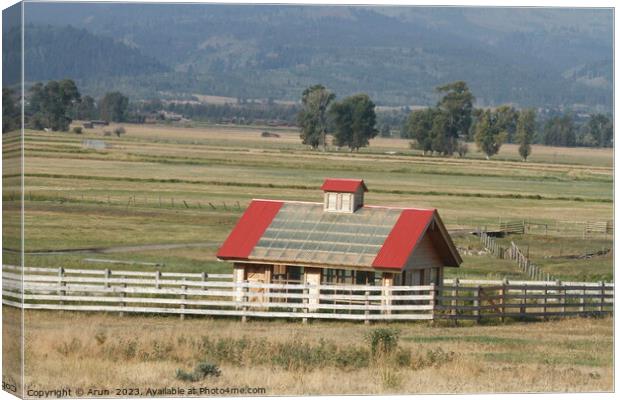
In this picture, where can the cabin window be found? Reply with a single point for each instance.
(347, 277)
(287, 274)
(418, 277)
(435, 275)
(346, 202)
(339, 202)
(331, 201)
(364, 278)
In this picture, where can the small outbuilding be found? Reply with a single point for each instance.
(339, 241)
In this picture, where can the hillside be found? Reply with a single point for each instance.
(67, 52)
(542, 57)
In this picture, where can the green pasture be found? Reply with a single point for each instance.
(172, 185)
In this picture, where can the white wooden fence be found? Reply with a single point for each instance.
(216, 295)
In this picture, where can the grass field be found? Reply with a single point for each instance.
(167, 184)
(105, 351)
(189, 185)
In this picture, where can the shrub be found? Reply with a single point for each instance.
(383, 341)
(201, 371)
(434, 358)
(205, 369)
(129, 348)
(77, 130)
(403, 357)
(289, 355)
(352, 358)
(101, 337)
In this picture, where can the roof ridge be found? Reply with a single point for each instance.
(364, 206)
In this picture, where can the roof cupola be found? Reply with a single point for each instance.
(343, 195)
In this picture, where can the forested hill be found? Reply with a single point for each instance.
(66, 52)
(530, 57)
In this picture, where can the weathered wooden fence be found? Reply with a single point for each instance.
(215, 294)
(512, 227)
(491, 244)
(514, 253)
(478, 299)
(527, 266)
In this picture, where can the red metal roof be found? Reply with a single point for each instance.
(403, 238)
(266, 225)
(249, 229)
(343, 185)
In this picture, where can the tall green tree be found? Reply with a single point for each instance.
(418, 127)
(506, 119)
(50, 104)
(458, 103)
(489, 137)
(354, 121)
(600, 130)
(312, 118)
(11, 112)
(560, 131)
(441, 142)
(113, 107)
(526, 126)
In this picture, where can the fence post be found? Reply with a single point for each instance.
(477, 303)
(244, 299)
(601, 309)
(366, 310)
(306, 292)
(122, 304)
(183, 297)
(522, 309)
(108, 275)
(545, 303)
(157, 279)
(503, 298)
(560, 297)
(61, 283)
(582, 300)
(432, 302)
(455, 290)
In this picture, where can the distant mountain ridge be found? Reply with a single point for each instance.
(53, 52)
(528, 57)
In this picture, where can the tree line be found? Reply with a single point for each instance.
(445, 128)
(244, 112)
(351, 121)
(55, 104)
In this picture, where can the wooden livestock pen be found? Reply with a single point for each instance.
(338, 241)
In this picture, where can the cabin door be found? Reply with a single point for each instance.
(258, 274)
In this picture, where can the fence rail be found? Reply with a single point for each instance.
(514, 253)
(217, 295)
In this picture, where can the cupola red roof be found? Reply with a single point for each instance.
(343, 185)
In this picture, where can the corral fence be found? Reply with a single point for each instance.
(514, 253)
(584, 229)
(216, 295)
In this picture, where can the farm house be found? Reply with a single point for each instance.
(339, 241)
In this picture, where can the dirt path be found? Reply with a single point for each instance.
(120, 249)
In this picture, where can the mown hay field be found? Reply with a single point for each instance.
(188, 186)
(162, 184)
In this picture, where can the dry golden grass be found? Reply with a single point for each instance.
(11, 349)
(106, 351)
